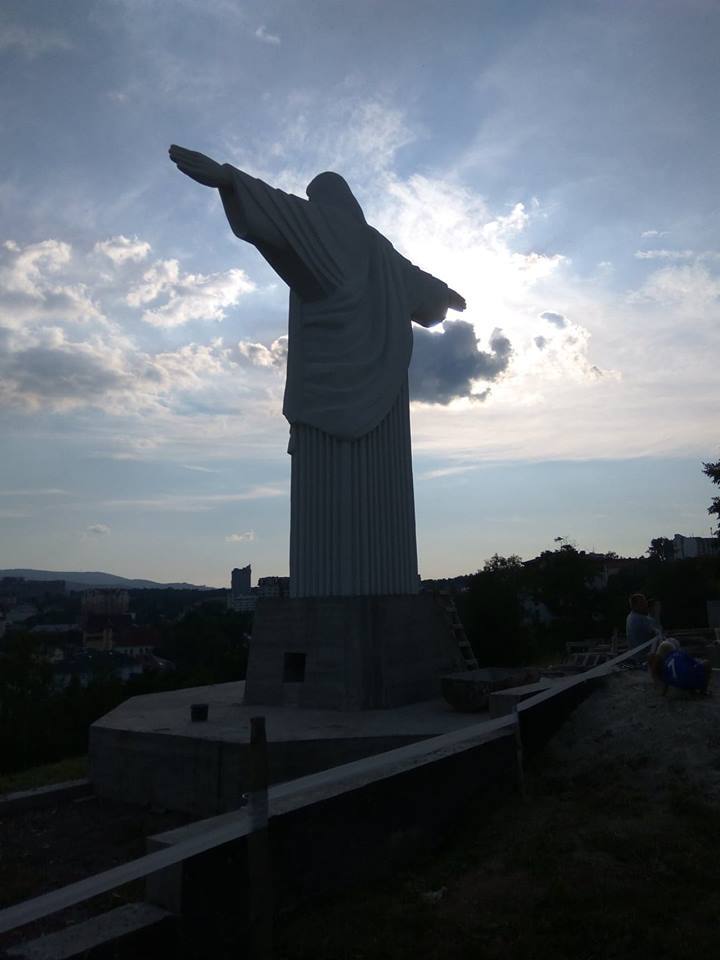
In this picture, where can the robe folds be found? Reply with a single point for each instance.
(352, 297)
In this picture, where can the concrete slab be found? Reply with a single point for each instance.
(149, 751)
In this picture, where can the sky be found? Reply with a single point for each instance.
(557, 163)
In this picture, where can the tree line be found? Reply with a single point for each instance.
(40, 723)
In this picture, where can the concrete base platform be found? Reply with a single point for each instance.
(148, 751)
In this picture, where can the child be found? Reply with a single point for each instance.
(675, 668)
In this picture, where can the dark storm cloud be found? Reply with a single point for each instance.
(557, 318)
(445, 366)
(541, 342)
(46, 372)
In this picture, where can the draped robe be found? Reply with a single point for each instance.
(352, 299)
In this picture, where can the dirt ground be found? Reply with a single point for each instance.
(616, 853)
(45, 849)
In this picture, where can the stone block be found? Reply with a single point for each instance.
(349, 653)
(502, 702)
(468, 691)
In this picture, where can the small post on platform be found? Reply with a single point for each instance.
(259, 865)
(519, 755)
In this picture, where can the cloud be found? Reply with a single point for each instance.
(24, 269)
(61, 350)
(555, 318)
(561, 356)
(122, 249)
(97, 530)
(647, 234)
(259, 355)
(197, 503)
(664, 254)
(441, 472)
(271, 38)
(189, 296)
(677, 255)
(31, 42)
(59, 372)
(29, 492)
(693, 286)
(162, 275)
(246, 537)
(360, 137)
(446, 366)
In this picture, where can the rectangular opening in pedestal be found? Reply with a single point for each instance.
(293, 668)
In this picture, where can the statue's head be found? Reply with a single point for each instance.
(332, 190)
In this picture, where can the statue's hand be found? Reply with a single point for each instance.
(196, 165)
(455, 301)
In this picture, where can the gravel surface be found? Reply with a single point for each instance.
(664, 741)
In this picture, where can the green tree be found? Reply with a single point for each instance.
(712, 470)
(25, 700)
(660, 549)
(568, 582)
(208, 644)
(493, 612)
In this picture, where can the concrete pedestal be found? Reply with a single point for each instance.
(349, 653)
(148, 750)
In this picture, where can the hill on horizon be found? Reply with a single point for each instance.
(80, 579)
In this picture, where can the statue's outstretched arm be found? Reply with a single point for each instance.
(200, 168)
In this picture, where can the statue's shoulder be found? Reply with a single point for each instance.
(380, 240)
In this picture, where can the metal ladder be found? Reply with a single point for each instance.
(458, 630)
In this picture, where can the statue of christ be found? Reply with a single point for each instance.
(352, 300)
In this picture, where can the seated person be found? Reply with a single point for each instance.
(639, 627)
(676, 668)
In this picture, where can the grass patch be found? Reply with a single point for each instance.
(563, 876)
(73, 768)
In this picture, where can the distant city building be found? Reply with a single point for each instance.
(242, 604)
(241, 599)
(137, 642)
(273, 587)
(99, 630)
(21, 613)
(685, 548)
(241, 581)
(90, 663)
(108, 601)
(104, 614)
